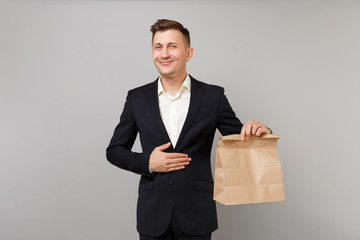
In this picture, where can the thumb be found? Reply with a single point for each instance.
(164, 146)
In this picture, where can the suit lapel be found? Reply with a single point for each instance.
(197, 92)
(153, 104)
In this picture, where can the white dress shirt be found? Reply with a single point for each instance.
(173, 110)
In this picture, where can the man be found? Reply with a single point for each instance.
(176, 117)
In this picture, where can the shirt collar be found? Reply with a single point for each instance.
(186, 84)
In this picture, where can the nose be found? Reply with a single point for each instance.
(165, 53)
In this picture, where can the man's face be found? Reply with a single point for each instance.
(170, 53)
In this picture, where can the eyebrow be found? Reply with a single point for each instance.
(169, 43)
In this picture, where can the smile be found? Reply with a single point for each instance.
(165, 63)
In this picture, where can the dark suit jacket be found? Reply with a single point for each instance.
(189, 191)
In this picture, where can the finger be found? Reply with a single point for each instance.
(248, 131)
(164, 146)
(259, 131)
(172, 161)
(254, 129)
(242, 133)
(176, 155)
(178, 165)
(175, 169)
(182, 160)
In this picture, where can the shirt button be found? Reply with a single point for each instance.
(171, 181)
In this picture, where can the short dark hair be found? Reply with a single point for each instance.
(166, 24)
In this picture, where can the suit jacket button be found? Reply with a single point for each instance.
(171, 181)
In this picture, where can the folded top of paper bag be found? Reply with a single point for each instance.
(263, 141)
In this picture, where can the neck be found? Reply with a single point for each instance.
(172, 85)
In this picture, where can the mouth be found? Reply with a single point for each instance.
(165, 62)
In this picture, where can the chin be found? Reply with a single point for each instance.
(166, 73)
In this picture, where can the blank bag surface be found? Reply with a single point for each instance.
(248, 171)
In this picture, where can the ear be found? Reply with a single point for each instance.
(190, 53)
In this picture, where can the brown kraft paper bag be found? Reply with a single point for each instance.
(248, 171)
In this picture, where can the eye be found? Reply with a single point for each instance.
(157, 47)
(173, 46)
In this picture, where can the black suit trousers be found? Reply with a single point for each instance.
(173, 232)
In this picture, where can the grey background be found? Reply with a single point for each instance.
(65, 69)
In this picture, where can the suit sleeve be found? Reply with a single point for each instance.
(228, 123)
(119, 151)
